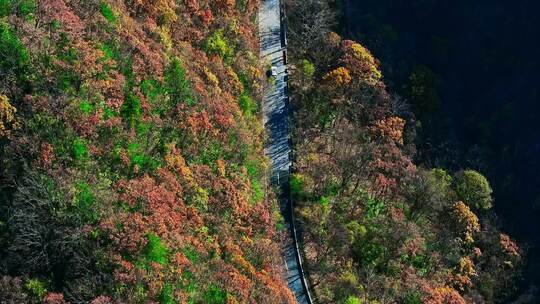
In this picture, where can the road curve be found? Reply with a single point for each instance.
(275, 109)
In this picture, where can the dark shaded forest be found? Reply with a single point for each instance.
(378, 225)
(469, 69)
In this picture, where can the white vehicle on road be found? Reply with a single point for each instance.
(273, 71)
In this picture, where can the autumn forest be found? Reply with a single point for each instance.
(133, 165)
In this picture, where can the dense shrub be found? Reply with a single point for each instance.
(14, 57)
(107, 12)
(218, 45)
(473, 188)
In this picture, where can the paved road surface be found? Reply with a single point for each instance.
(275, 118)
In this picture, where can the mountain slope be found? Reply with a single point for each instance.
(132, 166)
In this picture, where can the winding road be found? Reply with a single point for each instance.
(275, 108)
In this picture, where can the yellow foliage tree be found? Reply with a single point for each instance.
(467, 220)
(361, 62)
(338, 77)
(465, 272)
(8, 121)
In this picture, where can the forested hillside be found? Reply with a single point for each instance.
(378, 228)
(472, 84)
(131, 164)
